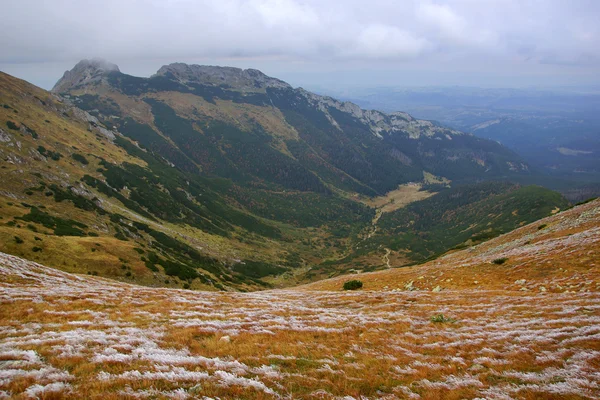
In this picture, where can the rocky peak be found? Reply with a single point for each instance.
(84, 72)
(250, 80)
(379, 123)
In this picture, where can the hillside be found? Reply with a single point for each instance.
(481, 336)
(258, 130)
(73, 197)
(217, 178)
(557, 254)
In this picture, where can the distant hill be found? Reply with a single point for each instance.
(557, 131)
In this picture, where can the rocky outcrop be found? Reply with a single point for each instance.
(380, 123)
(84, 73)
(93, 122)
(250, 80)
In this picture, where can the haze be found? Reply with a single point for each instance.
(311, 43)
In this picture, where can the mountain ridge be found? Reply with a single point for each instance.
(404, 143)
(150, 181)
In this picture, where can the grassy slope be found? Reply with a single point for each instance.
(27, 177)
(481, 336)
(453, 218)
(559, 253)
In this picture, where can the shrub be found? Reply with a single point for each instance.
(353, 284)
(18, 240)
(12, 125)
(80, 158)
(500, 261)
(542, 227)
(440, 318)
(36, 249)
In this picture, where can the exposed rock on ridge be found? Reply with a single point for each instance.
(236, 78)
(85, 72)
(379, 122)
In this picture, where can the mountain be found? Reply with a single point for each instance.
(554, 130)
(312, 142)
(515, 317)
(225, 179)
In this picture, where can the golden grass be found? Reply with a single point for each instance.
(104, 339)
(399, 198)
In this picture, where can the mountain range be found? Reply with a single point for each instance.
(556, 130)
(221, 178)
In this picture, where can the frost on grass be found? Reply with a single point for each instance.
(37, 391)
(138, 342)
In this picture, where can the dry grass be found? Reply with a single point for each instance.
(89, 337)
(399, 198)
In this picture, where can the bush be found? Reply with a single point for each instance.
(18, 240)
(353, 284)
(500, 261)
(542, 226)
(80, 158)
(36, 249)
(12, 125)
(440, 318)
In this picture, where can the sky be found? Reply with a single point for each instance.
(314, 43)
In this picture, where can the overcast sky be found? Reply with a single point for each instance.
(312, 43)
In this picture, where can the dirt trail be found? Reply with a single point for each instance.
(386, 257)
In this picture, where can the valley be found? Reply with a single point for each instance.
(300, 200)
(218, 178)
(181, 237)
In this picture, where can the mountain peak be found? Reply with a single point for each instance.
(84, 72)
(237, 78)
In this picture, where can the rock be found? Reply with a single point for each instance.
(380, 123)
(4, 137)
(520, 282)
(542, 289)
(409, 286)
(437, 289)
(225, 339)
(523, 289)
(248, 80)
(85, 72)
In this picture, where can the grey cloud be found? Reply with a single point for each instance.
(350, 32)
